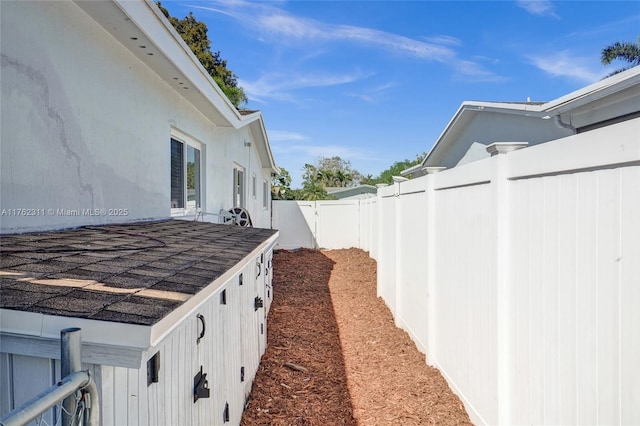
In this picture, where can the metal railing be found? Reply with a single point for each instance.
(77, 390)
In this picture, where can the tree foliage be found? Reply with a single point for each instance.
(331, 172)
(194, 33)
(628, 52)
(396, 168)
(281, 186)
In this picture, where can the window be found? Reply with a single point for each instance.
(185, 175)
(253, 186)
(265, 194)
(238, 186)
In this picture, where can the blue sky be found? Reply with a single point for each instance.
(376, 82)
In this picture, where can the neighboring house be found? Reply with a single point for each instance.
(478, 124)
(356, 192)
(109, 120)
(105, 110)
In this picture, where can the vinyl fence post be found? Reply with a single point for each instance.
(399, 248)
(503, 278)
(70, 362)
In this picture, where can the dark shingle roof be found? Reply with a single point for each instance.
(132, 273)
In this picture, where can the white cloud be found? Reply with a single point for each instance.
(473, 71)
(271, 22)
(317, 151)
(373, 94)
(564, 64)
(279, 86)
(444, 39)
(539, 7)
(285, 135)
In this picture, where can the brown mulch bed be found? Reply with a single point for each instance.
(334, 355)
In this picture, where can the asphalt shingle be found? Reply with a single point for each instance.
(131, 273)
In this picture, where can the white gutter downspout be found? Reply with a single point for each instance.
(564, 125)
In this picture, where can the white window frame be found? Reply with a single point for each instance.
(239, 186)
(190, 207)
(254, 184)
(266, 193)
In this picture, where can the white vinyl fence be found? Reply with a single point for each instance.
(326, 224)
(519, 277)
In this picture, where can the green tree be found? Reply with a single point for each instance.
(396, 168)
(312, 191)
(312, 184)
(628, 52)
(281, 186)
(194, 33)
(332, 172)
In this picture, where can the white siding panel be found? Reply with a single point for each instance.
(107, 392)
(608, 297)
(586, 310)
(31, 376)
(466, 296)
(630, 297)
(536, 300)
(120, 400)
(550, 321)
(521, 284)
(6, 379)
(233, 351)
(387, 252)
(412, 265)
(567, 291)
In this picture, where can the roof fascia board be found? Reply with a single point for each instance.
(257, 127)
(473, 107)
(561, 105)
(595, 91)
(202, 80)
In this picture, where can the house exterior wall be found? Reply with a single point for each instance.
(94, 133)
(488, 127)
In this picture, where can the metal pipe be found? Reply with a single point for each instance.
(93, 419)
(70, 362)
(48, 398)
(74, 380)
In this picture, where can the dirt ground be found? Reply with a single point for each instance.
(334, 355)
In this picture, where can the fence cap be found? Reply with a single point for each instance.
(433, 169)
(505, 147)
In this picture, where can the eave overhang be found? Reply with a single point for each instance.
(143, 29)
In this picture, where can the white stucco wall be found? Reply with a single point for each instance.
(87, 125)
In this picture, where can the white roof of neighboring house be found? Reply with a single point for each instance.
(142, 28)
(607, 99)
(360, 191)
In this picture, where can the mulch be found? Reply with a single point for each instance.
(334, 355)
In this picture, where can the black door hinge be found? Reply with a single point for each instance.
(153, 368)
(258, 303)
(225, 412)
(200, 386)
